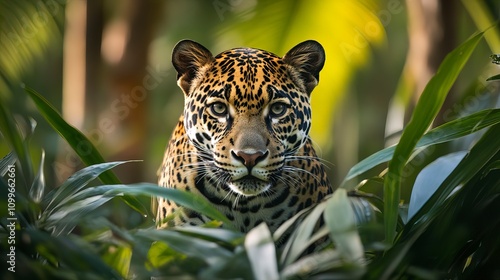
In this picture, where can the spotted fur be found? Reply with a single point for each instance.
(242, 141)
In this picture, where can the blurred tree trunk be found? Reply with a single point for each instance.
(86, 103)
(93, 67)
(140, 19)
(431, 29)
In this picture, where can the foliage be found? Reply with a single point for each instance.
(449, 233)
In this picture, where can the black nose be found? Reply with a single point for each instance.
(249, 160)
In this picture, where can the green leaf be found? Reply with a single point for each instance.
(477, 159)
(87, 152)
(341, 220)
(84, 148)
(209, 252)
(186, 199)
(430, 178)
(119, 257)
(458, 217)
(428, 106)
(262, 253)
(221, 235)
(69, 215)
(13, 136)
(444, 133)
(301, 236)
(287, 225)
(38, 187)
(75, 183)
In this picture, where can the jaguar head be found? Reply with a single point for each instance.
(247, 111)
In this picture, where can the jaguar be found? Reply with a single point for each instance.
(242, 141)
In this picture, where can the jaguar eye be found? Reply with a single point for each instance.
(219, 109)
(277, 109)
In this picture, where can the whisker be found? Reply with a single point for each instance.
(297, 169)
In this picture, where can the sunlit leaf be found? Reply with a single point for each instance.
(119, 257)
(341, 220)
(430, 178)
(262, 253)
(301, 236)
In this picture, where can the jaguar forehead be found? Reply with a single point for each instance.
(250, 73)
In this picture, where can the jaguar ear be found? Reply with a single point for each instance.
(188, 57)
(308, 58)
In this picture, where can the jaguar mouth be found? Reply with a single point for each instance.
(249, 186)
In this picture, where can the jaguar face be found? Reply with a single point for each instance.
(247, 111)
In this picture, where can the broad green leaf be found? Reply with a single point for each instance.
(213, 234)
(444, 133)
(430, 178)
(210, 252)
(477, 159)
(75, 183)
(186, 199)
(237, 267)
(87, 152)
(299, 240)
(66, 217)
(341, 220)
(119, 257)
(161, 254)
(428, 106)
(363, 210)
(453, 219)
(287, 225)
(262, 253)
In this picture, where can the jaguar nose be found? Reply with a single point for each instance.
(249, 159)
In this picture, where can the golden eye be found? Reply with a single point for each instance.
(219, 109)
(278, 109)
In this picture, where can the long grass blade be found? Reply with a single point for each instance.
(428, 106)
(444, 133)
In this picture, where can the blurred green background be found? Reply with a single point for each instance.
(105, 65)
